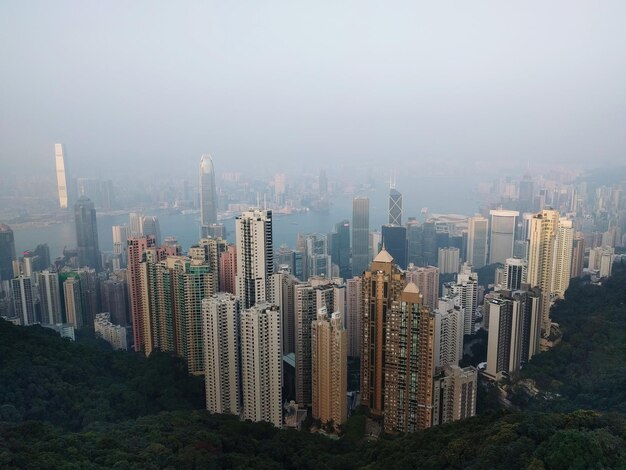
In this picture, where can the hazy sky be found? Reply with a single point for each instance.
(276, 84)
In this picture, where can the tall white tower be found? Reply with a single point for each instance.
(62, 186)
(221, 353)
(261, 364)
(502, 235)
(255, 256)
(208, 194)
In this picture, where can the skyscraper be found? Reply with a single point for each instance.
(449, 331)
(477, 232)
(317, 258)
(73, 302)
(449, 258)
(409, 364)
(120, 235)
(381, 287)
(87, 234)
(138, 302)
(208, 195)
(465, 294)
(255, 256)
(222, 353)
(515, 273)
(551, 241)
(25, 300)
(395, 207)
(354, 305)
(62, 177)
(50, 297)
(502, 235)
(455, 394)
(261, 364)
(150, 226)
(340, 250)
(426, 278)
(329, 368)
(309, 298)
(7, 253)
(360, 234)
(578, 255)
(394, 241)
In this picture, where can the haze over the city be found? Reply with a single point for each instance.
(150, 86)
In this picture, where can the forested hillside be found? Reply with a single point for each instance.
(65, 405)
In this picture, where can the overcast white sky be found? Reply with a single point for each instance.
(272, 84)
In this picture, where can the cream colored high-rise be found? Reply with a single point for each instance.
(221, 353)
(329, 359)
(261, 364)
(549, 259)
(426, 278)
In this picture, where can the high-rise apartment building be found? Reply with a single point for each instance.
(120, 237)
(465, 294)
(255, 256)
(49, 297)
(73, 302)
(449, 332)
(90, 291)
(455, 394)
(228, 270)
(408, 364)
(150, 227)
(222, 353)
(354, 306)
(7, 253)
(515, 273)
(381, 288)
(208, 195)
(449, 260)
(309, 298)
(87, 234)
(25, 300)
(601, 260)
(261, 364)
(426, 278)
(329, 368)
(549, 259)
(395, 207)
(139, 307)
(115, 335)
(502, 235)
(578, 255)
(477, 234)
(62, 176)
(360, 234)
(114, 296)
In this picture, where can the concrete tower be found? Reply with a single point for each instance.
(208, 195)
(502, 235)
(87, 234)
(62, 177)
(360, 234)
(477, 233)
(255, 256)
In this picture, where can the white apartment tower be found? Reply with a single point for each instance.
(255, 256)
(221, 324)
(261, 364)
(502, 235)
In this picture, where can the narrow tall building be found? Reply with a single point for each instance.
(62, 177)
(50, 297)
(73, 302)
(87, 234)
(395, 207)
(409, 364)
(477, 234)
(502, 235)
(381, 287)
(25, 300)
(354, 308)
(7, 254)
(261, 364)
(255, 256)
(455, 394)
(221, 353)
(360, 234)
(515, 273)
(426, 278)
(208, 196)
(329, 349)
(139, 306)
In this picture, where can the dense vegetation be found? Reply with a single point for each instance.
(588, 368)
(65, 405)
(46, 378)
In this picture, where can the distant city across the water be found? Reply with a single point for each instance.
(440, 195)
